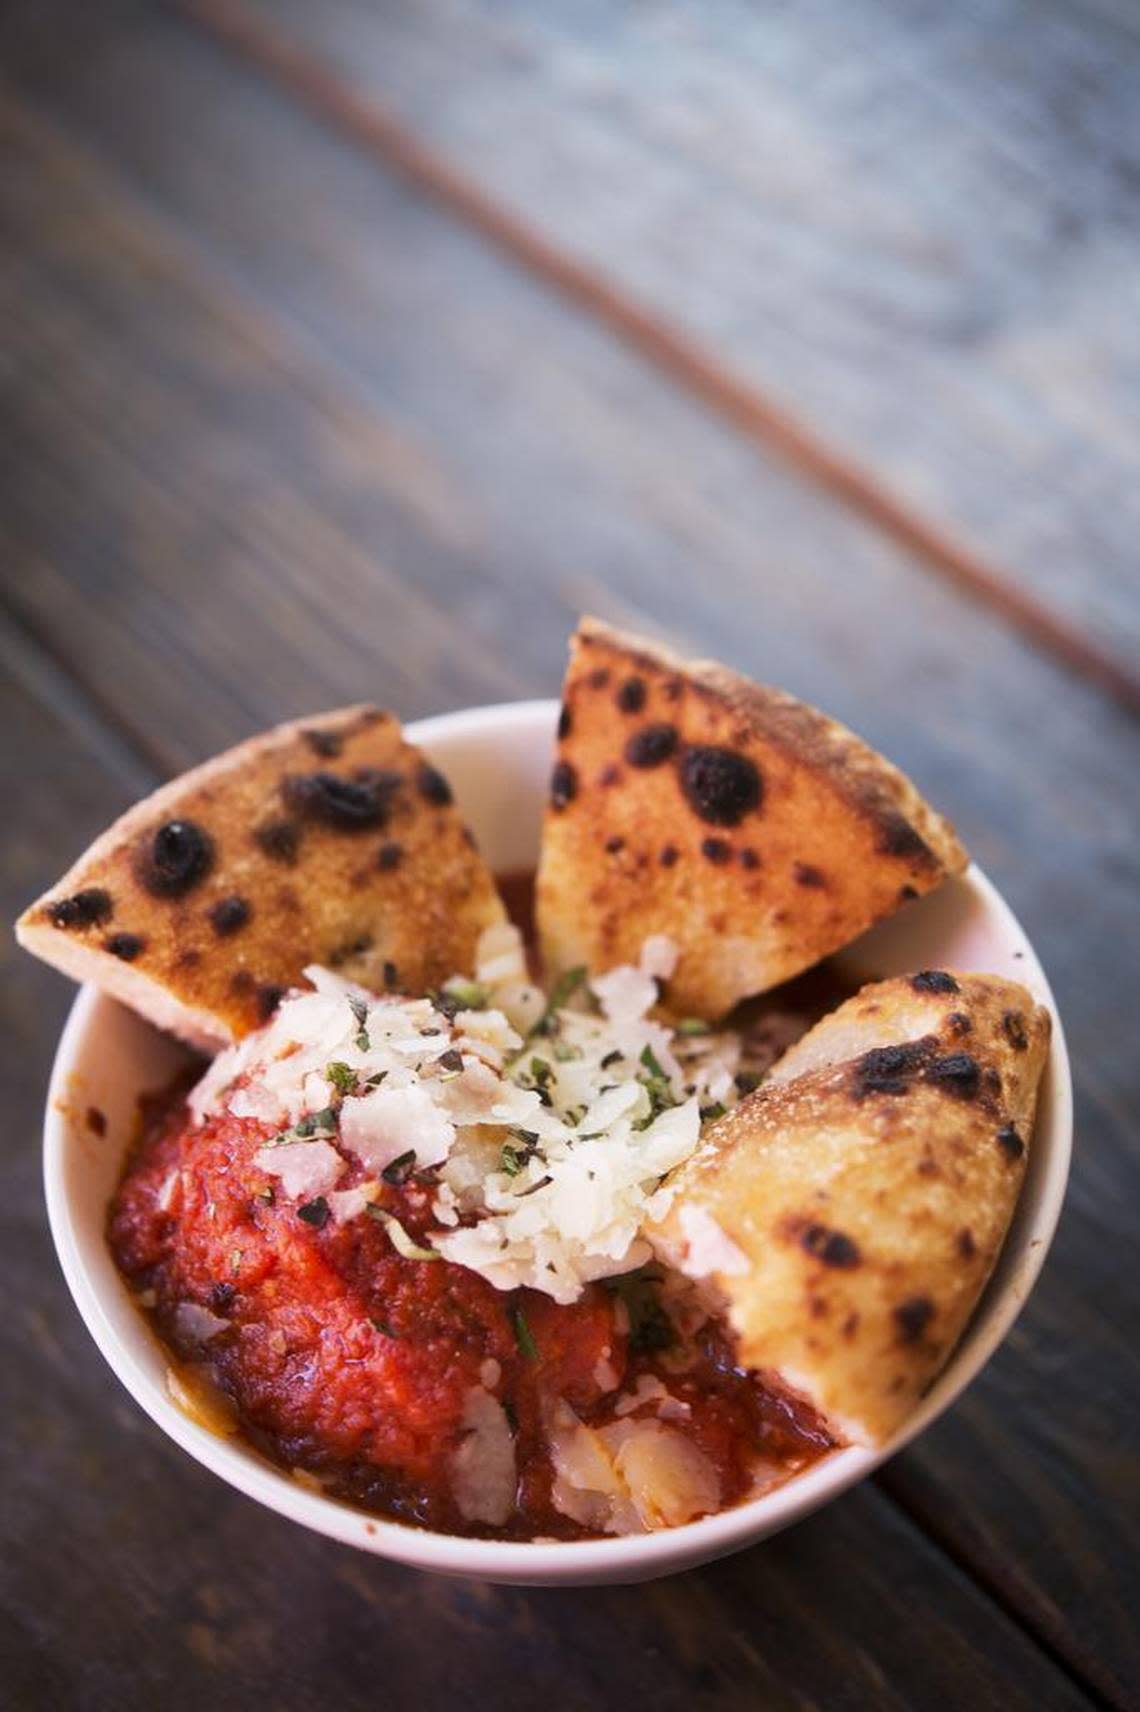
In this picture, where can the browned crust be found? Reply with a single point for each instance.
(870, 1191)
(872, 785)
(384, 884)
(840, 838)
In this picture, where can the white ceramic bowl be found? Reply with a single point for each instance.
(498, 759)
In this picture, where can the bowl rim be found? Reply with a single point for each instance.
(537, 1561)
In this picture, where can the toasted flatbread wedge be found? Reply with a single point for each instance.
(754, 831)
(847, 1214)
(330, 841)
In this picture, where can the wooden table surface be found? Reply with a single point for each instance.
(349, 351)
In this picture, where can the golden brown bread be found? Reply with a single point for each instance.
(848, 1213)
(330, 840)
(757, 833)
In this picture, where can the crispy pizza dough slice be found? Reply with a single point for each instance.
(846, 1215)
(756, 832)
(330, 841)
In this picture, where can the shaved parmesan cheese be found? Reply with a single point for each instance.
(346, 1204)
(393, 1121)
(197, 1325)
(709, 1249)
(630, 1477)
(306, 1168)
(482, 1468)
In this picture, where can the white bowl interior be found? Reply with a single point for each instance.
(498, 760)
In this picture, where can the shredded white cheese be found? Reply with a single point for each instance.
(549, 1125)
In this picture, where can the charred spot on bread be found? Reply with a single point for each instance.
(565, 721)
(389, 856)
(1013, 1027)
(1010, 1142)
(959, 1023)
(669, 854)
(391, 975)
(599, 678)
(174, 859)
(631, 695)
(326, 744)
(934, 981)
(651, 746)
(280, 840)
(897, 837)
(126, 946)
(805, 874)
(748, 858)
(89, 908)
(717, 850)
(269, 996)
(720, 785)
(891, 1069)
(912, 1318)
(965, 1244)
(350, 948)
(433, 786)
(958, 1073)
(229, 915)
(832, 1247)
(614, 844)
(563, 785)
(348, 805)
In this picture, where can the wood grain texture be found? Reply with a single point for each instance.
(129, 1576)
(222, 323)
(884, 234)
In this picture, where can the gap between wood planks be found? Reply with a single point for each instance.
(687, 362)
(1006, 1589)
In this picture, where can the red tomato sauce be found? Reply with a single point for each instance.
(344, 1359)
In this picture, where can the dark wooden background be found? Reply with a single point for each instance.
(349, 350)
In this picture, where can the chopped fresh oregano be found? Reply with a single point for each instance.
(466, 995)
(650, 1327)
(342, 1076)
(651, 1063)
(524, 1337)
(398, 1170)
(315, 1213)
(561, 993)
(359, 1009)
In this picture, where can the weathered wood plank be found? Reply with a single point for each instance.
(129, 1577)
(560, 455)
(914, 229)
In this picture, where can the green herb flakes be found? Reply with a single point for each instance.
(342, 1076)
(398, 1170)
(524, 1337)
